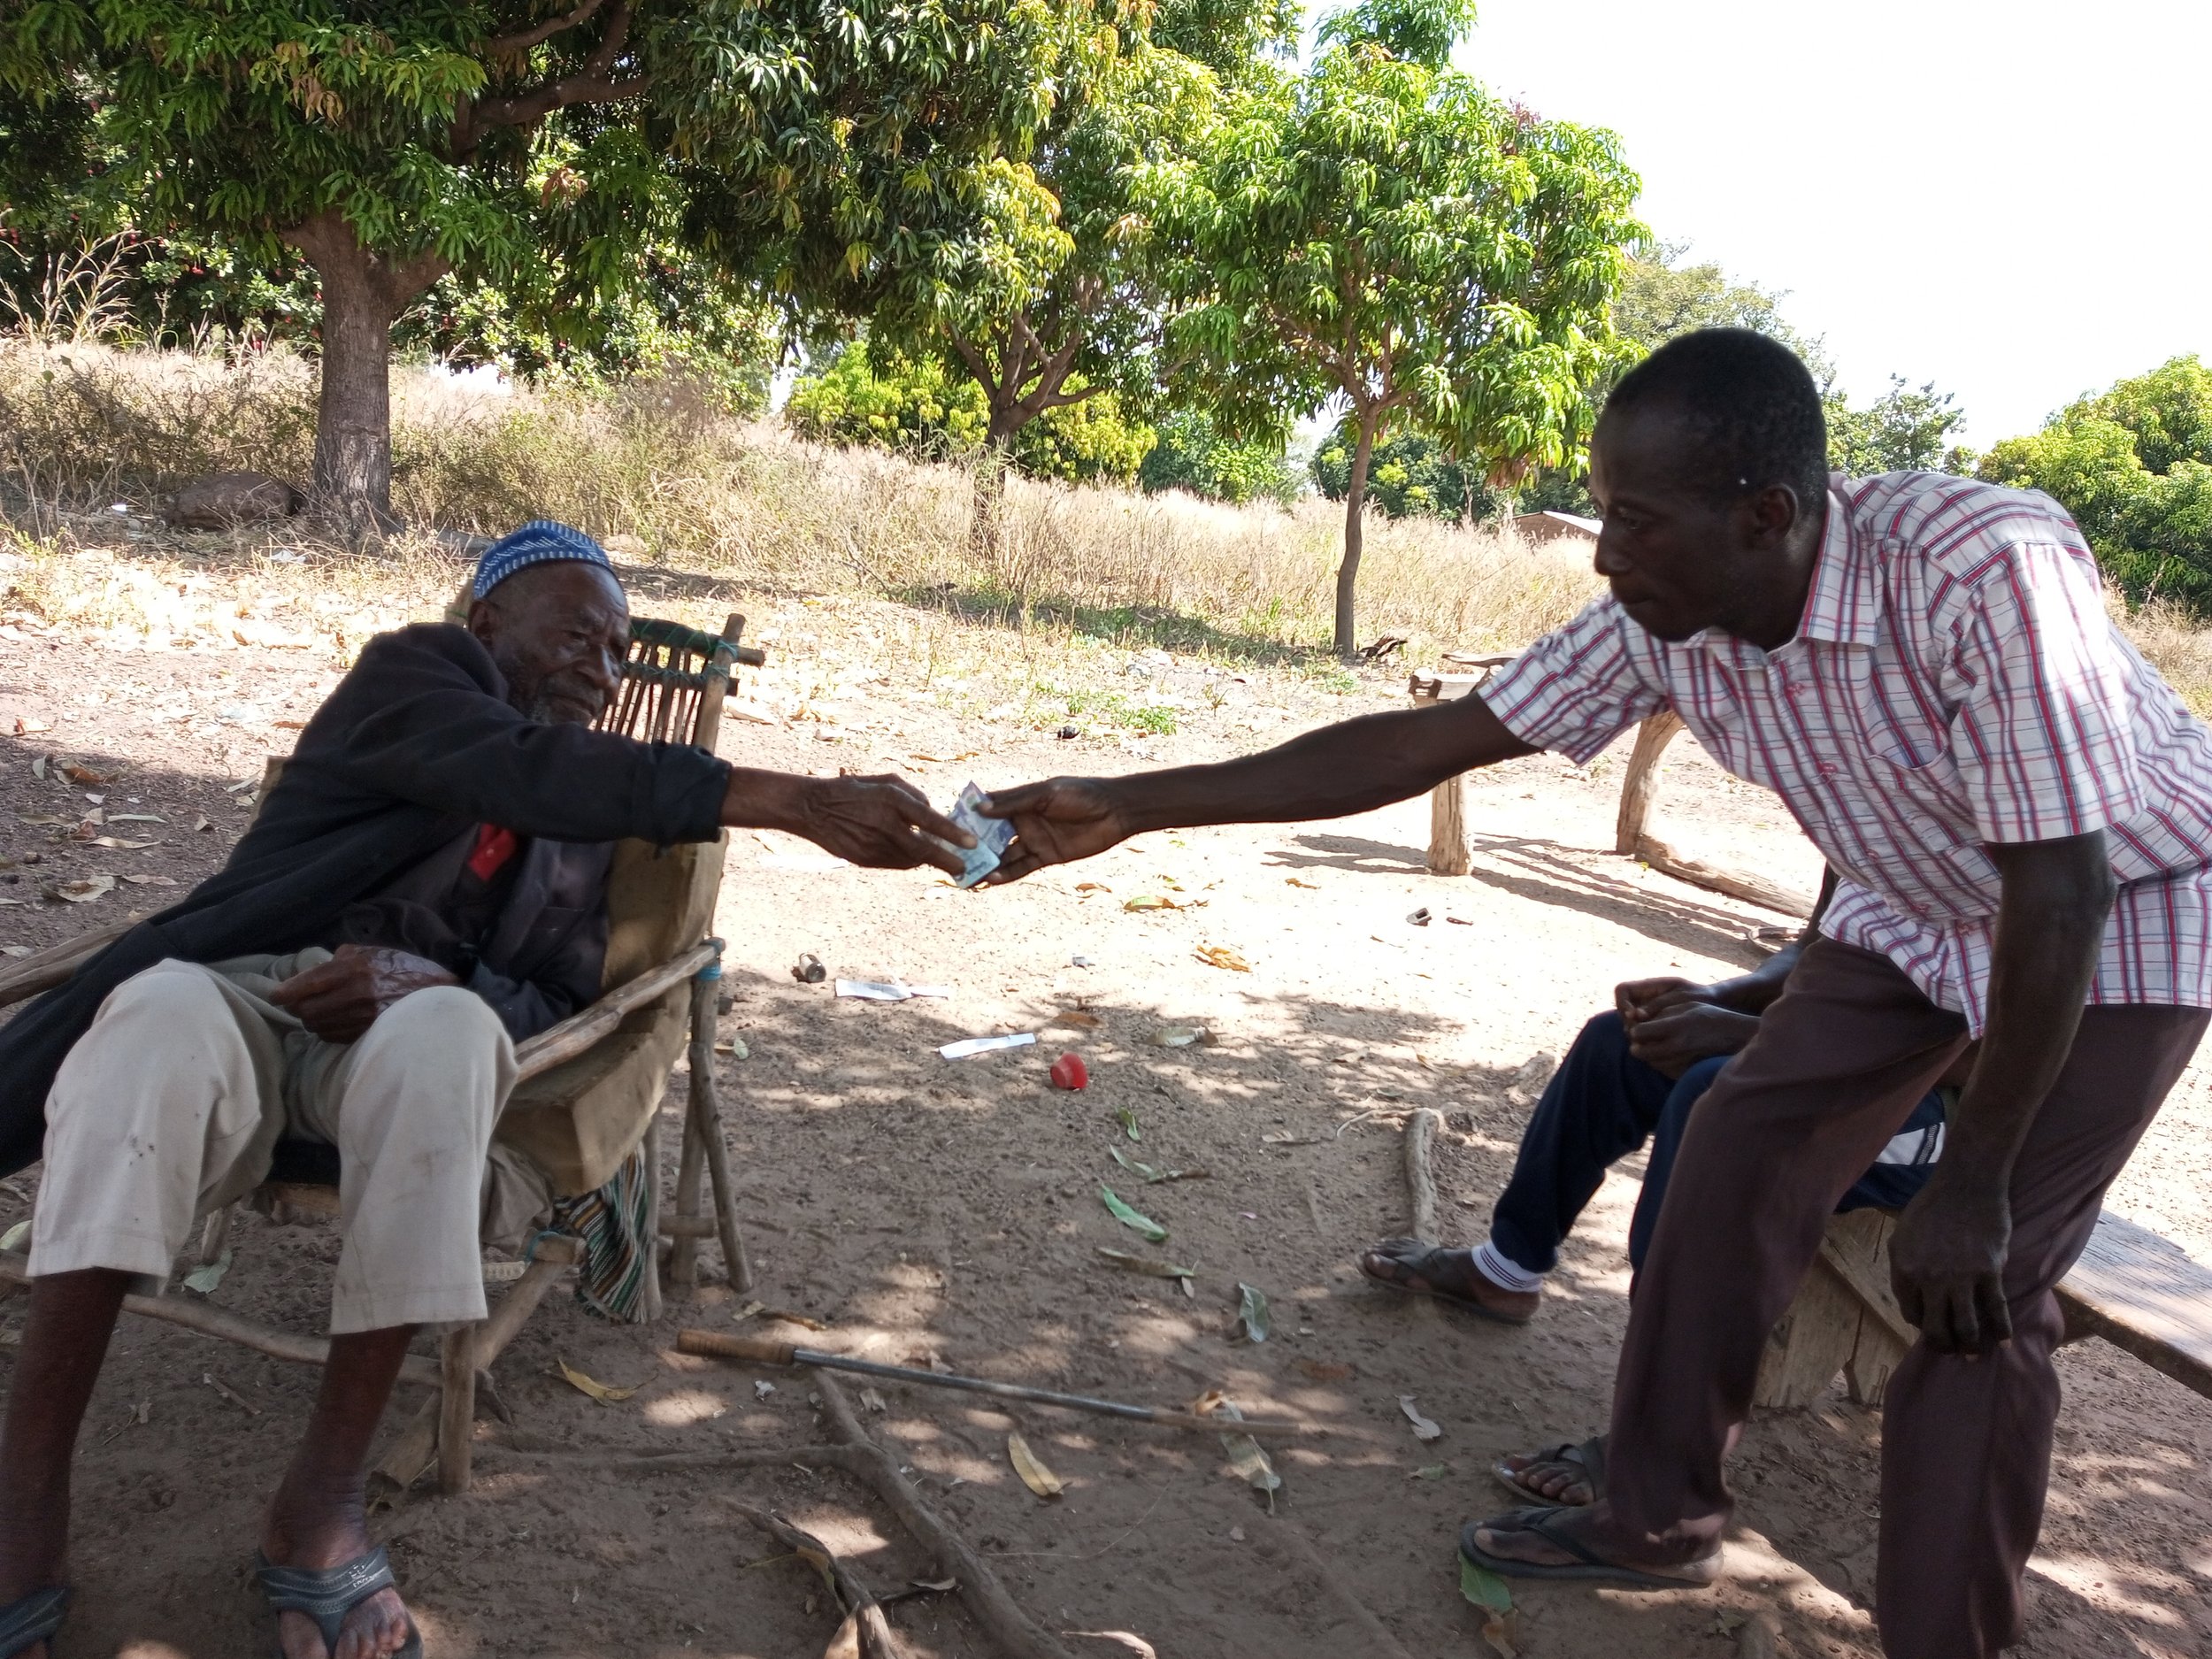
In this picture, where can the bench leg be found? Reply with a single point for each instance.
(457, 1408)
(651, 1297)
(683, 1249)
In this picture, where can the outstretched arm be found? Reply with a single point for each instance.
(1350, 767)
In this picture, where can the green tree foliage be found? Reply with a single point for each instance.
(1386, 231)
(1194, 454)
(1905, 430)
(541, 146)
(2133, 465)
(1409, 473)
(922, 406)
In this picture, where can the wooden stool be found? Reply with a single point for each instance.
(1844, 1319)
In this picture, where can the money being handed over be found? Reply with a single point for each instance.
(993, 836)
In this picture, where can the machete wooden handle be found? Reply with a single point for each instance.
(761, 1350)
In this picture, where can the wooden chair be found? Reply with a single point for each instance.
(589, 1088)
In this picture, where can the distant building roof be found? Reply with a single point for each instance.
(1547, 527)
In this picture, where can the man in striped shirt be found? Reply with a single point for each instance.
(2020, 811)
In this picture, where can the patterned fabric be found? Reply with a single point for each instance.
(615, 1222)
(1955, 680)
(540, 541)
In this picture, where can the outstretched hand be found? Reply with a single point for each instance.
(1055, 822)
(340, 1000)
(883, 822)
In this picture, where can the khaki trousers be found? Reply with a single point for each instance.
(1838, 1063)
(172, 1103)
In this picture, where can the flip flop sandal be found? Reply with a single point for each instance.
(1690, 1575)
(1412, 1264)
(327, 1594)
(33, 1620)
(1587, 1460)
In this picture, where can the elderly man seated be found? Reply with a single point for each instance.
(425, 887)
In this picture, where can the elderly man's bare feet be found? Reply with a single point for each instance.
(324, 1529)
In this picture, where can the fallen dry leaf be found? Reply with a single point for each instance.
(597, 1390)
(1423, 1428)
(1076, 1017)
(204, 823)
(1222, 957)
(82, 891)
(151, 882)
(1292, 881)
(1092, 887)
(793, 1318)
(78, 773)
(1326, 1371)
(25, 726)
(1034, 1475)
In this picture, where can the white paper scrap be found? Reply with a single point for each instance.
(967, 1046)
(888, 990)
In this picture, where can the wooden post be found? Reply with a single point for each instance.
(457, 1408)
(1450, 855)
(683, 1250)
(1640, 788)
(706, 1114)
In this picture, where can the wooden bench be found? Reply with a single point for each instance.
(2137, 1290)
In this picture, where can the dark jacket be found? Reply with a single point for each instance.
(415, 747)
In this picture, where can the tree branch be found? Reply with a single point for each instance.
(508, 45)
(589, 85)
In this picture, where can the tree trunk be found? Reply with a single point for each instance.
(990, 482)
(363, 293)
(1348, 573)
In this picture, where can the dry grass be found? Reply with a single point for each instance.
(667, 481)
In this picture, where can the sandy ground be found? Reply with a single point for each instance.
(921, 1208)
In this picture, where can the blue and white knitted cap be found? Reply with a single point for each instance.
(540, 541)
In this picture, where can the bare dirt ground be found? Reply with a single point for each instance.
(921, 1208)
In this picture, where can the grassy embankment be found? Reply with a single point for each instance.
(1081, 578)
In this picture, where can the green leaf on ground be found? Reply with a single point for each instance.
(1134, 1166)
(1483, 1587)
(1127, 1119)
(204, 1278)
(1129, 1217)
(1252, 1312)
(15, 1235)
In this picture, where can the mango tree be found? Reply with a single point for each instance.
(1386, 232)
(541, 145)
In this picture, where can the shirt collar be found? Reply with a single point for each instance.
(1845, 604)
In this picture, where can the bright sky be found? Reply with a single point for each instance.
(2008, 197)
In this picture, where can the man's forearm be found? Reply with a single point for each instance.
(756, 799)
(1352, 766)
(2050, 925)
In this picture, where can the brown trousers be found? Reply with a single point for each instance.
(1837, 1063)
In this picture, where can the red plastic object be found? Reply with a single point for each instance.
(1068, 1071)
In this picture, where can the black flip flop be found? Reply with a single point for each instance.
(327, 1594)
(1451, 1298)
(1587, 1566)
(1589, 1457)
(33, 1620)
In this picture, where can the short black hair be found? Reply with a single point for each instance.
(1750, 401)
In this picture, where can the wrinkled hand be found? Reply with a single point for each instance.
(1947, 1264)
(1688, 1032)
(882, 822)
(1055, 822)
(340, 1000)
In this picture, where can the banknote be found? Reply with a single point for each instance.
(991, 836)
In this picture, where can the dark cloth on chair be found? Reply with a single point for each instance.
(414, 750)
(1602, 1105)
(1966, 1442)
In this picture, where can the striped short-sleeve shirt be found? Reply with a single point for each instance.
(1955, 681)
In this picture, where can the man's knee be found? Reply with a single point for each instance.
(163, 1036)
(433, 1054)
